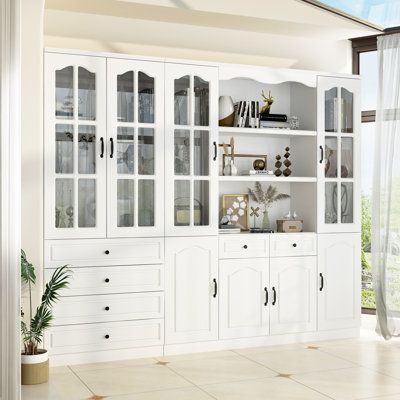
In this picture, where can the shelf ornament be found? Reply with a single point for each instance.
(267, 102)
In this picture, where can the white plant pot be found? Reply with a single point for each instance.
(35, 368)
(226, 111)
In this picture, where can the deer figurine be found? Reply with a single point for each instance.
(267, 102)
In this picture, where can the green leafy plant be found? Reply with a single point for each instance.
(32, 333)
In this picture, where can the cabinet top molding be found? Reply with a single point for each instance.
(226, 71)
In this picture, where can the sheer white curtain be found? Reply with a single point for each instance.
(386, 190)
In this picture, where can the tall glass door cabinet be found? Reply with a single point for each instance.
(338, 155)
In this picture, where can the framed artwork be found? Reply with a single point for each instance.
(235, 210)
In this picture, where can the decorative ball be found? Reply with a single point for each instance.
(259, 165)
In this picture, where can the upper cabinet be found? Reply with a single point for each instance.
(338, 154)
(75, 134)
(191, 144)
(135, 160)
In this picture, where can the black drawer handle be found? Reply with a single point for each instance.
(107, 308)
(107, 336)
(266, 296)
(322, 282)
(106, 280)
(294, 244)
(215, 288)
(107, 252)
(112, 147)
(274, 300)
(245, 246)
(102, 147)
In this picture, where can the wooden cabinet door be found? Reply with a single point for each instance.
(243, 298)
(339, 286)
(75, 134)
(293, 306)
(191, 287)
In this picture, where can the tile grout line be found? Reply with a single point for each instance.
(81, 380)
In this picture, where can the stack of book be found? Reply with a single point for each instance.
(247, 114)
(229, 229)
(275, 121)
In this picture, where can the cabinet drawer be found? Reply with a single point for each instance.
(93, 252)
(107, 280)
(293, 244)
(105, 336)
(109, 307)
(243, 246)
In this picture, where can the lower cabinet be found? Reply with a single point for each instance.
(293, 306)
(339, 304)
(191, 287)
(243, 301)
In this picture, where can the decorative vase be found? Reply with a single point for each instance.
(35, 368)
(265, 222)
(230, 169)
(226, 111)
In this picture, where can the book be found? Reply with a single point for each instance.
(274, 125)
(232, 230)
(261, 172)
(245, 113)
(240, 114)
(273, 117)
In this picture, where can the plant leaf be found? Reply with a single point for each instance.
(27, 270)
(58, 281)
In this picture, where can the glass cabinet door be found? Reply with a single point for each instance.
(75, 134)
(135, 141)
(191, 148)
(338, 141)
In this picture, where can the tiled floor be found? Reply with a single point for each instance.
(365, 368)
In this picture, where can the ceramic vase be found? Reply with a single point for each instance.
(226, 111)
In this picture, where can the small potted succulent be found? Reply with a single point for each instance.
(35, 360)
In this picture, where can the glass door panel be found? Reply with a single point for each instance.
(346, 157)
(86, 94)
(146, 98)
(64, 150)
(146, 151)
(331, 194)
(182, 100)
(125, 202)
(201, 153)
(146, 202)
(182, 202)
(125, 97)
(331, 155)
(182, 152)
(126, 150)
(201, 101)
(346, 198)
(86, 203)
(346, 111)
(64, 201)
(87, 149)
(331, 110)
(201, 202)
(64, 90)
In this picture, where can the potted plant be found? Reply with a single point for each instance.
(35, 360)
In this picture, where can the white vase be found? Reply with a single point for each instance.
(226, 111)
(230, 169)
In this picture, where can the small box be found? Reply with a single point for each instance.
(289, 225)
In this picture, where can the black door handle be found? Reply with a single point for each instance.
(322, 154)
(101, 147)
(215, 151)
(215, 288)
(274, 300)
(266, 296)
(322, 281)
(112, 147)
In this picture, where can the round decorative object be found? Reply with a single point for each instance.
(226, 111)
(278, 165)
(287, 163)
(259, 165)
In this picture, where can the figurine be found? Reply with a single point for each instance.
(267, 103)
(287, 163)
(278, 165)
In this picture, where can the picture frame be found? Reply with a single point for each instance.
(235, 208)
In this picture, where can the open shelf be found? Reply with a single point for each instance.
(267, 178)
(268, 132)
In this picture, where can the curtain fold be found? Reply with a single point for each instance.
(386, 190)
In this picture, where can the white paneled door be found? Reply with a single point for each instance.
(191, 150)
(191, 288)
(244, 298)
(135, 148)
(75, 135)
(339, 304)
(293, 295)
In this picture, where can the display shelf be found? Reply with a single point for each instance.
(268, 178)
(270, 132)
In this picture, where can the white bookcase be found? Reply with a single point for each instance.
(133, 189)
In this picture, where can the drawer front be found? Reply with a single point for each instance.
(243, 245)
(105, 336)
(293, 244)
(107, 280)
(109, 307)
(93, 252)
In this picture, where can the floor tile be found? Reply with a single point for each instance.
(190, 393)
(266, 349)
(299, 361)
(196, 356)
(262, 389)
(113, 364)
(216, 370)
(124, 380)
(390, 369)
(350, 383)
(61, 386)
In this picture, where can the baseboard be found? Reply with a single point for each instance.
(273, 340)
